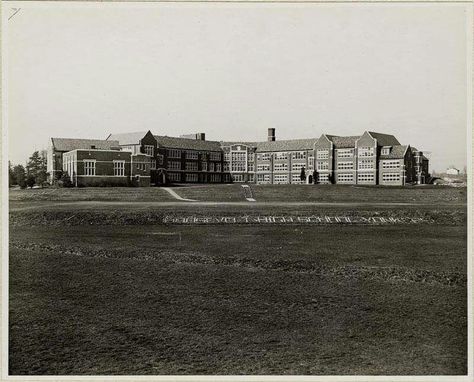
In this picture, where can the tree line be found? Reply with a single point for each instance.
(35, 172)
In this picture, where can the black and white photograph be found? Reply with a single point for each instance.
(237, 189)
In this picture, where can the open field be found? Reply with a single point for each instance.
(104, 288)
(327, 193)
(262, 193)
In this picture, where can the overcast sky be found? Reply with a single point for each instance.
(233, 70)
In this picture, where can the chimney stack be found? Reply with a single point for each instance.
(271, 135)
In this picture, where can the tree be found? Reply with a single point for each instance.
(65, 180)
(30, 180)
(302, 174)
(20, 175)
(11, 175)
(315, 177)
(36, 168)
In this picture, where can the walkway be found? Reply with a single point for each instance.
(176, 196)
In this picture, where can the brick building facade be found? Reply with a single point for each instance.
(147, 159)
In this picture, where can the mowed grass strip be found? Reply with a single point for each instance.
(262, 193)
(90, 194)
(185, 309)
(327, 193)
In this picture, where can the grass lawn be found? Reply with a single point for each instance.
(223, 299)
(327, 193)
(90, 193)
(262, 193)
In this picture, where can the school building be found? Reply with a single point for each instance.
(144, 159)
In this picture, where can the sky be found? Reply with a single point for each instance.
(232, 70)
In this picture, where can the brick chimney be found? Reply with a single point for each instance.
(271, 135)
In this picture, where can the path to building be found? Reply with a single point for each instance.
(248, 194)
(176, 196)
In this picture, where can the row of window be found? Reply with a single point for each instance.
(193, 166)
(190, 154)
(346, 153)
(391, 177)
(349, 177)
(391, 164)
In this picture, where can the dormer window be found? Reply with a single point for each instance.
(93, 147)
(386, 150)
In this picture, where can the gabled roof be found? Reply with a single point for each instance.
(396, 152)
(343, 142)
(287, 145)
(384, 139)
(68, 144)
(128, 138)
(187, 144)
(414, 149)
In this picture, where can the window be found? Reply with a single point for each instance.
(311, 162)
(203, 166)
(322, 154)
(218, 167)
(345, 153)
(174, 177)
(191, 166)
(251, 166)
(323, 178)
(366, 164)
(191, 177)
(251, 177)
(215, 178)
(238, 178)
(345, 178)
(366, 151)
(172, 153)
(345, 165)
(281, 155)
(119, 168)
(391, 177)
(153, 164)
(227, 156)
(191, 155)
(279, 179)
(367, 177)
(251, 157)
(89, 167)
(239, 156)
(280, 167)
(141, 166)
(322, 165)
(226, 166)
(297, 166)
(264, 156)
(160, 159)
(263, 167)
(391, 164)
(211, 167)
(215, 156)
(263, 178)
(174, 165)
(299, 155)
(386, 150)
(149, 150)
(239, 161)
(295, 178)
